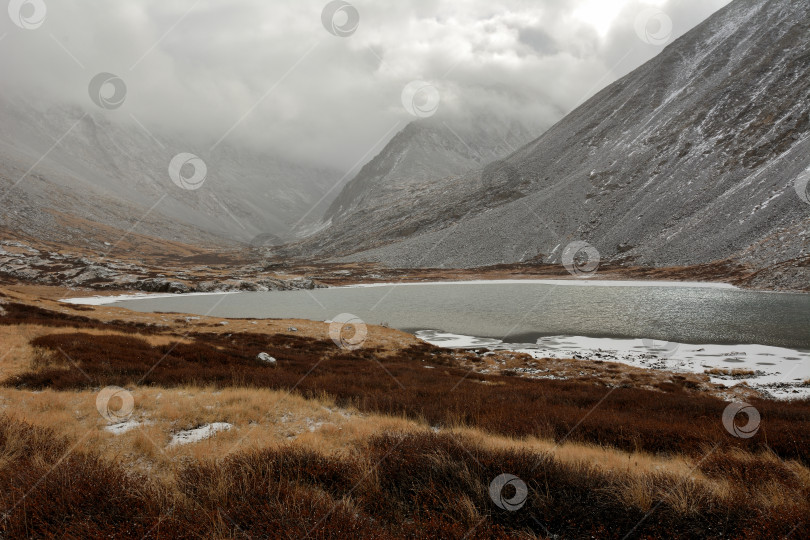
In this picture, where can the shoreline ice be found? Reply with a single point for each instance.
(107, 300)
(778, 372)
(581, 282)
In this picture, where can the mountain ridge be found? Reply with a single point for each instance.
(688, 159)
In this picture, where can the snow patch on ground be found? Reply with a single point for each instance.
(777, 371)
(456, 341)
(123, 427)
(198, 434)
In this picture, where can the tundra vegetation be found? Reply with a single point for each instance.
(394, 439)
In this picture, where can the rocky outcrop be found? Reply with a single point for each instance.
(20, 262)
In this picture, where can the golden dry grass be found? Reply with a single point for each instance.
(260, 418)
(264, 418)
(19, 355)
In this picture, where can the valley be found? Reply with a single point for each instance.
(526, 270)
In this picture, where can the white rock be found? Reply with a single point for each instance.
(264, 357)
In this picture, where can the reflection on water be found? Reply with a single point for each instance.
(522, 312)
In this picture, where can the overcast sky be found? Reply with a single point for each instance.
(273, 74)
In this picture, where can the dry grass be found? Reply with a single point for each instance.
(264, 418)
(260, 418)
(329, 445)
(396, 383)
(385, 478)
(20, 355)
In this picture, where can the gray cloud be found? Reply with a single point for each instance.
(269, 74)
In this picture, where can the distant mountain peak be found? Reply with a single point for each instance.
(426, 150)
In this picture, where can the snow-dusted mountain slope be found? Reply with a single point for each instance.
(77, 161)
(691, 158)
(425, 156)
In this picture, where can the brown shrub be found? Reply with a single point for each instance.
(397, 486)
(27, 314)
(752, 472)
(47, 491)
(437, 485)
(625, 418)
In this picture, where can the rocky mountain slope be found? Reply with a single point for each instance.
(691, 158)
(426, 153)
(77, 161)
(428, 149)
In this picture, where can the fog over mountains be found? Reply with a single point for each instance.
(693, 157)
(114, 172)
(117, 173)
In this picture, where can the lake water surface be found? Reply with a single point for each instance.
(763, 337)
(524, 311)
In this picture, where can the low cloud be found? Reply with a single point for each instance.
(270, 75)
